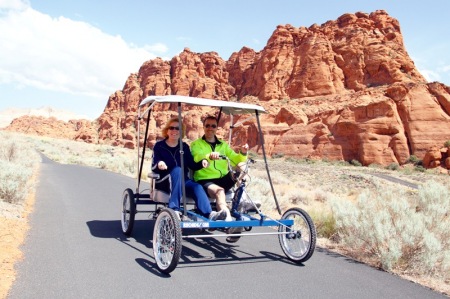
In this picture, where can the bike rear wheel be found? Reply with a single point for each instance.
(128, 211)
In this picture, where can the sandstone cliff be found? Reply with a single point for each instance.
(344, 90)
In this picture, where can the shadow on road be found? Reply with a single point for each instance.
(337, 255)
(196, 252)
(142, 231)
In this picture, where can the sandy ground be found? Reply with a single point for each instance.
(13, 231)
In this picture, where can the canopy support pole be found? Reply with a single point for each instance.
(265, 162)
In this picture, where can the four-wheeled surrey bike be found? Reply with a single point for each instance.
(295, 228)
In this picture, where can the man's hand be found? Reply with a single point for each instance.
(244, 149)
(214, 156)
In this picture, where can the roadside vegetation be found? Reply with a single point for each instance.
(17, 163)
(385, 224)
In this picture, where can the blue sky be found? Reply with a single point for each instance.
(72, 55)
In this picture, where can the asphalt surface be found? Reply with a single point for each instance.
(75, 249)
(396, 180)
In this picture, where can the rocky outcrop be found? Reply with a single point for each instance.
(343, 90)
(81, 129)
(354, 52)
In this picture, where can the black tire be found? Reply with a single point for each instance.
(167, 241)
(300, 243)
(128, 211)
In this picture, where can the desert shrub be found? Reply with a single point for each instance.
(296, 198)
(447, 143)
(8, 151)
(252, 155)
(407, 170)
(355, 163)
(13, 182)
(420, 168)
(374, 165)
(308, 161)
(325, 223)
(277, 155)
(320, 195)
(260, 190)
(339, 163)
(410, 236)
(291, 160)
(393, 166)
(17, 163)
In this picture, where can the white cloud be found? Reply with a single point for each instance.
(446, 69)
(14, 4)
(60, 54)
(158, 47)
(430, 75)
(183, 38)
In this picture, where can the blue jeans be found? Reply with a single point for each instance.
(193, 190)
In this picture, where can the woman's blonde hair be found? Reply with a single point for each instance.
(168, 124)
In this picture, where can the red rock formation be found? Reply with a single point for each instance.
(432, 158)
(354, 52)
(344, 90)
(52, 127)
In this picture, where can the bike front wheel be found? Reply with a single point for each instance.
(167, 241)
(298, 241)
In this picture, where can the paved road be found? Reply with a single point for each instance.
(395, 180)
(75, 249)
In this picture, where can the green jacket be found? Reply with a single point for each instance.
(217, 168)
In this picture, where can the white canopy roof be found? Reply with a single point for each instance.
(227, 107)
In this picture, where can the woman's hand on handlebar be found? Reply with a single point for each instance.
(205, 163)
(162, 165)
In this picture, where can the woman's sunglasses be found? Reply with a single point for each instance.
(174, 128)
(212, 126)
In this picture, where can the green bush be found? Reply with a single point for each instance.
(325, 225)
(414, 160)
(393, 166)
(447, 143)
(420, 168)
(355, 163)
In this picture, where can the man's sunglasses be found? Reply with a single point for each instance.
(174, 128)
(212, 126)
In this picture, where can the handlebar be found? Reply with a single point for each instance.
(249, 160)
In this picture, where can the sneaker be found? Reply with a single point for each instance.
(220, 215)
(178, 214)
(233, 230)
(228, 215)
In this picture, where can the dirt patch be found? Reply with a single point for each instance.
(13, 230)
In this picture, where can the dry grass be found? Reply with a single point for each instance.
(311, 185)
